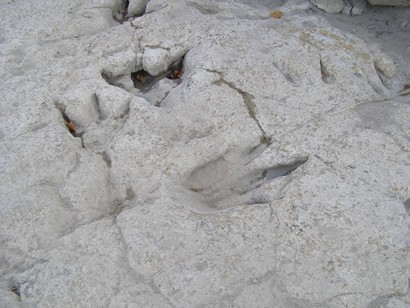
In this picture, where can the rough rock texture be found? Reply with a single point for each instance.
(354, 7)
(203, 154)
(333, 7)
(390, 2)
(136, 7)
(351, 7)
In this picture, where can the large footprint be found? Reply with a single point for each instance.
(233, 179)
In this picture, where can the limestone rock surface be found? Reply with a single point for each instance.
(333, 6)
(390, 2)
(354, 7)
(196, 153)
(350, 8)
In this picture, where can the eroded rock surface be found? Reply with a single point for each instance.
(390, 2)
(199, 153)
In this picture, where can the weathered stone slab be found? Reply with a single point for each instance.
(390, 2)
(334, 6)
(205, 153)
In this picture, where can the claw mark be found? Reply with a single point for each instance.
(97, 107)
(326, 76)
(383, 79)
(281, 170)
(285, 74)
(106, 158)
(407, 206)
(16, 290)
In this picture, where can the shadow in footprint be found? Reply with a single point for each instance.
(121, 12)
(407, 206)
(125, 12)
(153, 88)
(145, 82)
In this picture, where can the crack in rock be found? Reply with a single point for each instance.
(137, 277)
(249, 104)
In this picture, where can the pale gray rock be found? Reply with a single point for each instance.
(80, 102)
(354, 7)
(156, 60)
(137, 7)
(82, 260)
(271, 170)
(42, 217)
(9, 299)
(333, 6)
(390, 2)
(113, 102)
(160, 91)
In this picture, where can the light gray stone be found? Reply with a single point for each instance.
(390, 2)
(271, 170)
(9, 299)
(137, 7)
(333, 6)
(354, 7)
(87, 259)
(156, 60)
(113, 102)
